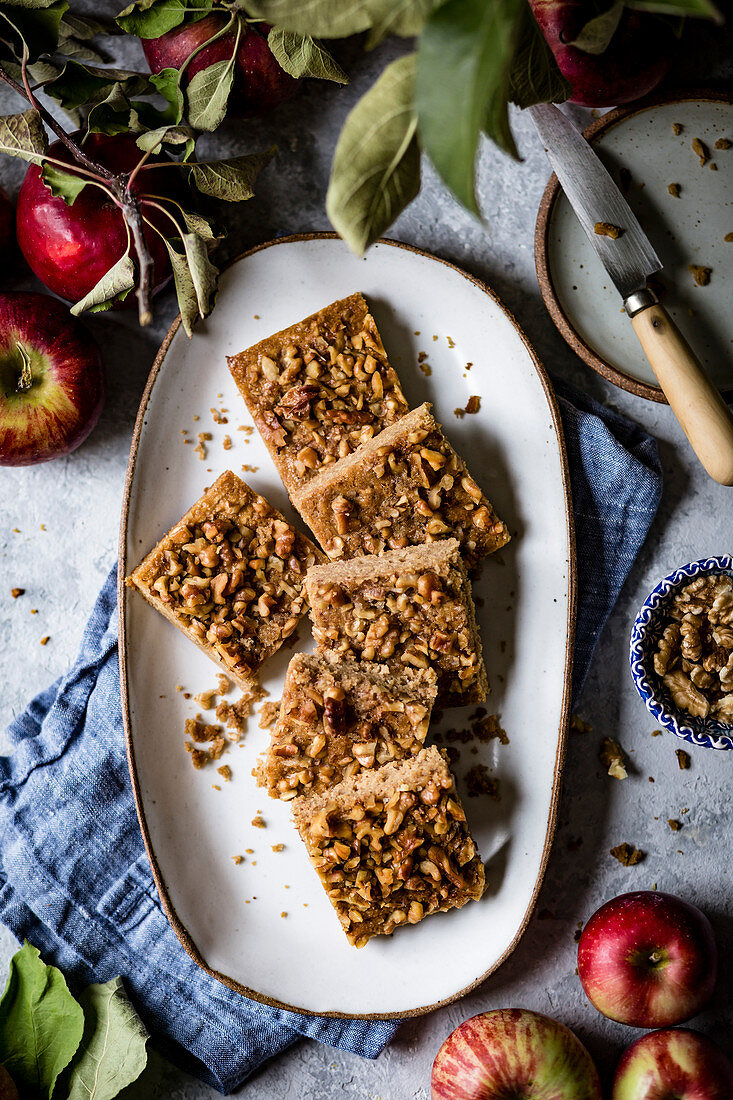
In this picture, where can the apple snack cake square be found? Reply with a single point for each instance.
(319, 389)
(231, 575)
(391, 846)
(405, 486)
(338, 718)
(408, 608)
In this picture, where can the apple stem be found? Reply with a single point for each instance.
(133, 216)
(26, 374)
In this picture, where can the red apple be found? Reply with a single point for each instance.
(259, 82)
(7, 225)
(636, 60)
(51, 381)
(673, 1064)
(8, 1090)
(70, 248)
(648, 959)
(511, 1053)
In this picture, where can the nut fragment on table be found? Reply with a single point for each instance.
(339, 718)
(407, 608)
(230, 574)
(391, 846)
(406, 486)
(694, 655)
(319, 389)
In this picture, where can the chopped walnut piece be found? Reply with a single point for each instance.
(700, 274)
(323, 387)
(613, 758)
(225, 772)
(702, 151)
(205, 699)
(683, 759)
(391, 846)
(607, 229)
(627, 854)
(258, 822)
(675, 190)
(339, 718)
(217, 572)
(15, 592)
(474, 404)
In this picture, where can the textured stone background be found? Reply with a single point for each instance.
(62, 567)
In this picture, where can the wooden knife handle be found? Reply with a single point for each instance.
(705, 418)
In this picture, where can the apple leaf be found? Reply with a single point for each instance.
(151, 18)
(299, 55)
(208, 93)
(61, 184)
(534, 76)
(85, 27)
(23, 136)
(152, 141)
(464, 63)
(36, 25)
(705, 9)
(77, 84)
(41, 1024)
(113, 114)
(195, 279)
(230, 180)
(403, 17)
(112, 1053)
(196, 223)
(115, 283)
(168, 83)
(376, 166)
(596, 35)
(321, 18)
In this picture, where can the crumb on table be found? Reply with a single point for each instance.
(723, 143)
(627, 854)
(674, 824)
(225, 772)
(613, 758)
(258, 822)
(238, 860)
(700, 273)
(702, 151)
(683, 759)
(674, 189)
(45, 639)
(15, 592)
(607, 229)
(278, 847)
(480, 782)
(677, 128)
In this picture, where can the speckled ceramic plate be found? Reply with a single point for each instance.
(264, 925)
(640, 148)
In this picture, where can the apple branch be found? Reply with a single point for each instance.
(133, 216)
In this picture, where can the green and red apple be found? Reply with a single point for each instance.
(673, 1064)
(511, 1053)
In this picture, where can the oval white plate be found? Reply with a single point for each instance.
(229, 916)
(685, 230)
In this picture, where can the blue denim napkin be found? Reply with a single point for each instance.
(75, 879)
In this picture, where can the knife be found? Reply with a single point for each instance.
(629, 259)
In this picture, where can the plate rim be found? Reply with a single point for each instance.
(562, 322)
(122, 592)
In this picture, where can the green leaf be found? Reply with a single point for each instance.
(300, 55)
(151, 18)
(36, 25)
(596, 35)
(196, 223)
(112, 1054)
(464, 62)
(376, 167)
(62, 185)
(23, 136)
(168, 83)
(77, 85)
(321, 18)
(230, 180)
(117, 282)
(534, 76)
(705, 9)
(208, 94)
(152, 141)
(403, 17)
(113, 114)
(41, 1024)
(195, 278)
(85, 27)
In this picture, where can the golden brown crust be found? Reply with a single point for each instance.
(319, 389)
(230, 574)
(404, 487)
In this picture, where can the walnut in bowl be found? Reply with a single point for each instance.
(682, 652)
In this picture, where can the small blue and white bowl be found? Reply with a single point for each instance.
(708, 732)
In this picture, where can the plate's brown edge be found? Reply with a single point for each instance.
(168, 907)
(542, 242)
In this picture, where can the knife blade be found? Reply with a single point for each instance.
(629, 258)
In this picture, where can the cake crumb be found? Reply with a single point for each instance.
(200, 731)
(577, 725)
(225, 772)
(674, 824)
(283, 914)
(473, 404)
(247, 469)
(278, 847)
(223, 684)
(34, 611)
(480, 782)
(674, 189)
(258, 822)
(205, 699)
(677, 128)
(249, 851)
(15, 592)
(607, 229)
(268, 714)
(451, 342)
(723, 143)
(728, 237)
(238, 860)
(683, 759)
(656, 733)
(613, 758)
(227, 443)
(700, 273)
(459, 413)
(627, 854)
(45, 639)
(218, 415)
(702, 151)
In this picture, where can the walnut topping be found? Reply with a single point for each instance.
(613, 758)
(694, 655)
(607, 229)
(683, 759)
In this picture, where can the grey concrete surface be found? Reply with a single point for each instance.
(62, 564)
